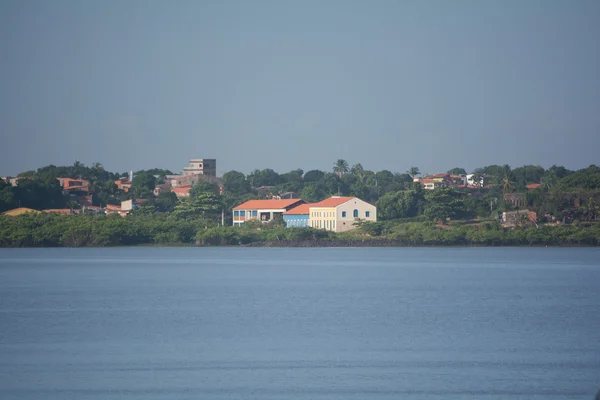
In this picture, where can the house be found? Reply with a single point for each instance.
(201, 166)
(338, 214)
(123, 184)
(114, 209)
(19, 211)
(125, 208)
(70, 185)
(184, 180)
(298, 217)
(532, 186)
(262, 210)
(160, 188)
(11, 180)
(513, 218)
(182, 191)
(431, 184)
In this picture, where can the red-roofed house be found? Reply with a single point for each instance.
(262, 210)
(338, 214)
(182, 191)
(74, 185)
(123, 184)
(298, 217)
(532, 186)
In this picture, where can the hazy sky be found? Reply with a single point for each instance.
(298, 84)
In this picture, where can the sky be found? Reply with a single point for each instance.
(288, 84)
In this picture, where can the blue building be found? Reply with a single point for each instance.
(297, 217)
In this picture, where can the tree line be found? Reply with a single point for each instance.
(562, 195)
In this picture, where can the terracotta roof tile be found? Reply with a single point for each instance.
(267, 204)
(302, 209)
(333, 201)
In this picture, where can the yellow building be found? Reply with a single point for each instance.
(338, 214)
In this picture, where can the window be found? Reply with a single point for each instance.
(242, 213)
(367, 214)
(236, 213)
(343, 214)
(254, 213)
(355, 213)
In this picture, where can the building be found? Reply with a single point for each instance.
(262, 210)
(184, 180)
(11, 180)
(161, 188)
(182, 191)
(123, 184)
(431, 184)
(69, 184)
(298, 217)
(338, 214)
(125, 208)
(201, 166)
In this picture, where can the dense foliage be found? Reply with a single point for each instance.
(47, 230)
(561, 195)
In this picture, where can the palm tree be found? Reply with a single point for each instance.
(413, 171)
(507, 184)
(340, 167)
(357, 169)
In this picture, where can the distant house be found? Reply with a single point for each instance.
(262, 210)
(163, 187)
(71, 185)
(532, 186)
(201, 166)
(431, 184)
(338, 214)
(513, 218)
(182, 191)
(125, 208)
(11, 180)
(298, 217)
(19, 211)
(123, 184)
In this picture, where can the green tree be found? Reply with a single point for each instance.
(340, 167)
(313, 192)
(204, 187)
(204, 205)
(457, 171)
(413, 172)
(265, 177)
(7, 197)
(166, 201)
(143, 185)
(235, 182)
(313, 175)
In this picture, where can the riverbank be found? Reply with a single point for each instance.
(46, 230)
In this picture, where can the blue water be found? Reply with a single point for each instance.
(199, 323)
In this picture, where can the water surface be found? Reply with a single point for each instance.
(191, 323)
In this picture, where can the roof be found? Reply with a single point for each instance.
(437, 176)
(333, 201)
(112, 207)
(20, 210)
(429, 181)
(267, 204)
(302, 209)
(182, 189)
(533, 185)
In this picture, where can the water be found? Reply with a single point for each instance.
(194, 323)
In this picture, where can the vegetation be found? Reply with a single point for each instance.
(407, 214)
